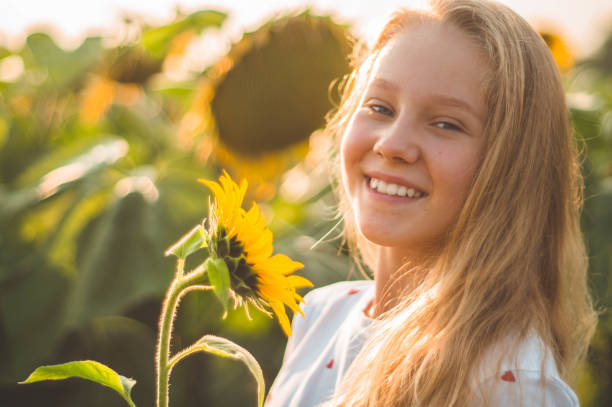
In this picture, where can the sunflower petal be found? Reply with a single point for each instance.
(298, 281)
(283, 264)
(283, 320)
(230, 191)
(216, 190)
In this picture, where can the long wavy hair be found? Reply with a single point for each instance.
(514, 261)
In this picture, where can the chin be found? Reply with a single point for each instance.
(403, 242)
(381, 237)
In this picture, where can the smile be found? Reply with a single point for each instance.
(382, 187)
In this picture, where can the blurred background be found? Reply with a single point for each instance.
(109, 114)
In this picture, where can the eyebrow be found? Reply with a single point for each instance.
(384, 84)
(437, 98)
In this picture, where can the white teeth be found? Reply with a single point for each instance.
(391, 189)
(394, 189)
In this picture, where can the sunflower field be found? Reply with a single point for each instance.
(101, 149)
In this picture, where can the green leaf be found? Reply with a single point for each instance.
(225, 348)
(89, 370)
(119, 259)
(189, 243)
(158, 40)
(84, 155)
(32, 311)
(61, 170)
(228, 349)
(63, 67)
(219, 278)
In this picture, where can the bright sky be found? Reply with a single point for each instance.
(582, 22)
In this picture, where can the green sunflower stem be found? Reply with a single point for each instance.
(179, 287)
(180, 267)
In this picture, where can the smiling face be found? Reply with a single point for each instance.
(412, 147)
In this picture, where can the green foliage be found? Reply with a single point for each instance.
(590, 99)
(219, 277)
(85, 217)
(62, 67)
(157, 40)
(87, 208)
(192, 241)
(89, 370)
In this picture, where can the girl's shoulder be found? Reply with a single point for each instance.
(339, 292)
(333, 302)
(522, 372)
(323, 343)
(328, 307)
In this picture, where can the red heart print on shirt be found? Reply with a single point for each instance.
(508, 376)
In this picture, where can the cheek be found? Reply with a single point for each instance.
(455, 173)
(353, 147)
(346, 163)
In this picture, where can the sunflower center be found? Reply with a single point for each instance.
(244, 273)
(243, 276)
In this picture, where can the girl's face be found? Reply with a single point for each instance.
(411, 149)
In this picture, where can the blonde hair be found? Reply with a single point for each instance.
(514, 262)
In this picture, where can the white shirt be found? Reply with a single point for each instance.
(325, 342)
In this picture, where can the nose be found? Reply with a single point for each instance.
(397, 143)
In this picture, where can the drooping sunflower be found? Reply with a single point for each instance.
(243, 241)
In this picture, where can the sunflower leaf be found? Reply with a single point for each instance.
(228, 349)
(89, 370)
(189, 243)
(218, 275)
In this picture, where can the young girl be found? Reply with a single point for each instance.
(460, 189)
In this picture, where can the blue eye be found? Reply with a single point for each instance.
(381, 110)
(447, 126)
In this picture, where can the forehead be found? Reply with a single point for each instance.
(433, 57)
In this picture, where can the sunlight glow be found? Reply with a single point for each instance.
(103, 154)
(582, 21)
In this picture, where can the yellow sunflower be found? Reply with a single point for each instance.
(243, 241)
(560, 50)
